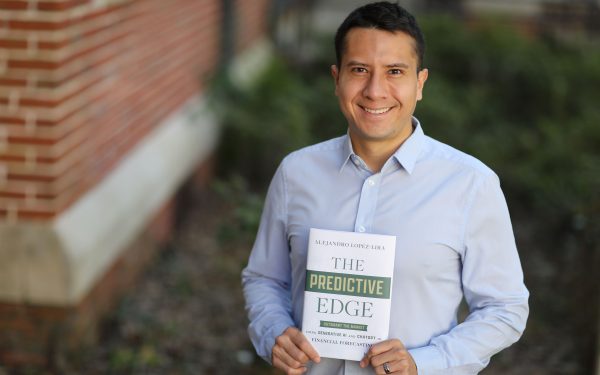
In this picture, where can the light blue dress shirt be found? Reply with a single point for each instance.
(453, 239)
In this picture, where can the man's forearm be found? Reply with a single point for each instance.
(269, 310)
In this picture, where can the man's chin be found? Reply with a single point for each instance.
(372, 135)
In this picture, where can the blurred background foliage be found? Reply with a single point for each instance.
(526, 106)
(288, 106)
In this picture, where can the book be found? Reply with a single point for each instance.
(347, 294)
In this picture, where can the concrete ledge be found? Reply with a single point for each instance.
(57, 263)
(43, 336)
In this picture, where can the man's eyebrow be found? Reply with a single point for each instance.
(393, 65)
(355, 63)
(398, 65)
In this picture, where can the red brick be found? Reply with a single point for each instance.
(42, 5)
(13, 82)
(13, 44)
(40, 25)
(59, 6)
(13, 5)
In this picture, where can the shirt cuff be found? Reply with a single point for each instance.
(429, 360)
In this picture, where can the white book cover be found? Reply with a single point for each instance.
(347, 295)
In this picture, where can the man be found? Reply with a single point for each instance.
(453, 232)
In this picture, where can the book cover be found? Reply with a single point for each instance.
(347, 297)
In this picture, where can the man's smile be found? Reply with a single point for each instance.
(376, 111)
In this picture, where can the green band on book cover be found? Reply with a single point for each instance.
(342, 325)
(348, 284)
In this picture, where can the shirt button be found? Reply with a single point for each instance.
(361, 229)
(371, 182)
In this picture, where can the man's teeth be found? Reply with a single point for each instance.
(377, 111)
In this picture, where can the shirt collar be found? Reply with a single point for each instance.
(406, 155)
(347, 151)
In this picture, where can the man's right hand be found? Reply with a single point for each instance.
(292, 351)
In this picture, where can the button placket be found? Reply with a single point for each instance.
(367, 203)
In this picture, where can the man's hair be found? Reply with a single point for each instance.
(381, 16)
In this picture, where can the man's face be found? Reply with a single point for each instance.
(378, 86)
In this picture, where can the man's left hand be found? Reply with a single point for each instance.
(392, 353)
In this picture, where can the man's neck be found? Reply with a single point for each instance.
(375, 153)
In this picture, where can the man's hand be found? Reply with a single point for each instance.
(292, 351)
(392, 353)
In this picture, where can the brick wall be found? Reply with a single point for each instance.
(82, 81)
(89, 89)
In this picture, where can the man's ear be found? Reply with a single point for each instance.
(421, 78)
(335, 73)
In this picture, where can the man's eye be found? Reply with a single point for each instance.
(358, 69)
(396, 71)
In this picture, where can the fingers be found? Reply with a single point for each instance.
(385, 346)
(392, 352)
(379, 348)
(281, 354)
(395, 367)
(302, 349)
(287, 369)
(307, 348)
(390, 356)
(292, 351)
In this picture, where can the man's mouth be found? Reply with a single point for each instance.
(377, 111)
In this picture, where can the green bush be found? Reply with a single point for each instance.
(281, 111)
(527, 108)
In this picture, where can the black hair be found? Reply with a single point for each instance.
(382, 16)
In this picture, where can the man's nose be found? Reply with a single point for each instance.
(375, 87)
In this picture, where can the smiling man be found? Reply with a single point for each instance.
(454, 238)
(378, 83)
